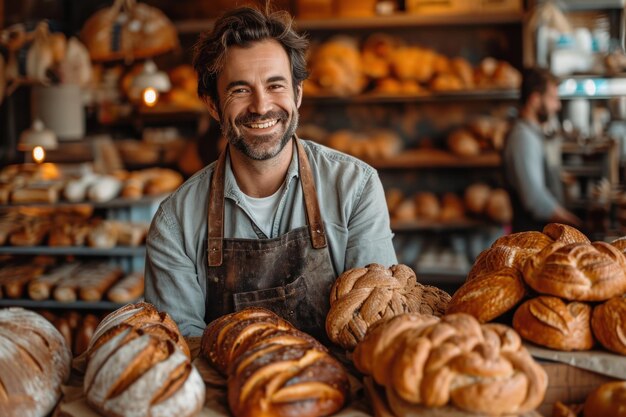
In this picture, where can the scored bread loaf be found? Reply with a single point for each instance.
(273, 369)
(551, 322)
(362, 296)
(127, 289)
(608, 324)
(34, 363)
(430, 361)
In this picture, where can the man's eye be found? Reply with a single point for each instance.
(240, 91)
(276, 86)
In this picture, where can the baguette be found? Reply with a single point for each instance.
(41, 287)
(13, 279)
(94, 284)
(127, 289)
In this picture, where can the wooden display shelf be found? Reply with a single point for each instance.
(129, 251)
(434, 158)
(426, 97)
(53, 304)
(399, 20)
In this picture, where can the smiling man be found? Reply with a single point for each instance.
(276, 219)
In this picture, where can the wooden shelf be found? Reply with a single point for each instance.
(438, 226)
(400, 20)
(115, 203)
(53, 304)
(129, 251)
(430, 97)
(434, 158)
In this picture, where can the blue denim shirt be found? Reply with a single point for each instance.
(352, 204)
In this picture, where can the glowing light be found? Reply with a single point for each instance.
(38, 154)
(150, 96)
(590, 87)
(569, 86)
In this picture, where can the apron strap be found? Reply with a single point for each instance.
(314, 217)
(215, 212)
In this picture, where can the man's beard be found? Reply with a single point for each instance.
(249, 149)
(542, 114)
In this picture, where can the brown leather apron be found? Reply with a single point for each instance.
(290, 275)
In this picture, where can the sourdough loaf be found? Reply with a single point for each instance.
(362, 296)
(609, 325)
(34, 362)
(273, 369)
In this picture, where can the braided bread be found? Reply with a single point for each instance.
(548, 321)
(137, 367)
(478, 368)
(273, 369)
(578, 271)
(34, 362)
(362, 296)
(609, 324)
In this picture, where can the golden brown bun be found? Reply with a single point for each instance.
(489, 295)
(427, 206)
(273, 368)
(362, 296)
(578, 271)
(446, 82)
(461, 142)
(476, 197)
(607, 400)
(499, 207)
(463, 69)
(609, 325)
(551, 322)
(452, 208)
(478, 368)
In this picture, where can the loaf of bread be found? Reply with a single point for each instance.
(14, 278)
(34, 363)
(578, 271)
(452, 208)
(430, 361)
(461, 142)
(41, 287)
(362, 296)
(427, 206)
(607, 400)
(273, 369)
(127, 289)
(609, 326)
(498, 207)
(551, 322)
(476, 197)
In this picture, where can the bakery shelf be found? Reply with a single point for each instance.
(115, 203)
(129, 251)
(585, 170)
(400, 20)
(53, 304)
(441, 96)
(437, 226)
(432, 158)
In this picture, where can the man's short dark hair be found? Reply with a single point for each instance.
(243, 27)
(535, 80)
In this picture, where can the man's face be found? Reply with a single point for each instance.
(549, 103)
(257, 110)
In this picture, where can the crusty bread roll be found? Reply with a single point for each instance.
(427, 206)
(609, 326)
(607, 400)
(273, 368)
(452, 208)
(498, 207)
(362, 296)
(551, 322)
(578, 271)
(34, 363)
(489, 295)
(564, 233)
(478, 368)
(461, 142)
(476, 197)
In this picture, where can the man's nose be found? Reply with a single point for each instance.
(260, 103)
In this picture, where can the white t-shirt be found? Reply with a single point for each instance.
(264, 209)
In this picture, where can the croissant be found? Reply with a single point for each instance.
(362, 296)
(608, 325)
(478, 368)
(548, 321)
(273, 369)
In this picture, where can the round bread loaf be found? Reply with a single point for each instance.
(476, 196)
(609, 326)
(34, 363)
(608, 399)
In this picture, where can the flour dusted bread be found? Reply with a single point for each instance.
(609, 325)
(34, 362)
(554, 323)
(137, 367)
(362, 296)
(433, 362)
(578, 271)
(273, 369)
(608, 399)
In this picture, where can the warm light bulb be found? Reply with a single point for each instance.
(150, 96)
(38, 154)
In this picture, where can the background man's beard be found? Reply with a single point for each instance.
(240, 144)
(542, 114)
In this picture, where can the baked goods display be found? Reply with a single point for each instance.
(34, 363)
(567, 272)
(273, 368)
(76, 329)
(138, 364)
(370, 146)
(478, 368)
(606, 400)
(361, 297)
(383, 64)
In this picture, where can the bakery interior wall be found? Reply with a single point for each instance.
(419, 124)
